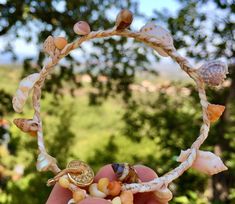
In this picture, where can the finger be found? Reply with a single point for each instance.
(59, 195)
(145, 174)
(105, 171)
(94, 201)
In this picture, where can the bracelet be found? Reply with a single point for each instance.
(78, 176)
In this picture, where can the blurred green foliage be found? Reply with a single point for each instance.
(146, 128)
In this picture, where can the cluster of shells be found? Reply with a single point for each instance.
(78, 177)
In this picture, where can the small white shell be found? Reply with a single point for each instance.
(213, 72)
(94, 191)
(161, 34)
(23, 91)
(45, 162)
(49, 46)
(71, 201)
(206, 162)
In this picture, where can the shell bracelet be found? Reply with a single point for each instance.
(78, 176)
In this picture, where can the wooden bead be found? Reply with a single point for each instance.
(60, 42)
(103, 185)
(117, 200)
(124, 19)
(114, 188)
(214, 112)
(78, 196)
(64, 182)
(81, 28)
(127, 197)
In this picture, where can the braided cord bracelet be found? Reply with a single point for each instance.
(78, 174)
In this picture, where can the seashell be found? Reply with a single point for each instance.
(103, 185)
(127, 197)
(27, 125)
(125, 173)
(117, 200)
(49, 46)
(124, 19)
(45, 162)
(81, 28)
(78, 196)
(163, 195)
(60, 42)
(114, 188)
(214, 112)
(64, 182)
(206, 162)
(71, 201)
(159, 33)
(213, 72)
(94, 191)
(23, 91)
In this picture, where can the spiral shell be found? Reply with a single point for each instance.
(213, 72)
(23, 91)
(161, 34)
(27, 125)
(125, 173)
(206, 162)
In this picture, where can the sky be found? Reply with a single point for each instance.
(24, 49)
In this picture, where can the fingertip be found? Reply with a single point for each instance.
(107, 172)
(59, 195)
(94, 201)
(145, 173)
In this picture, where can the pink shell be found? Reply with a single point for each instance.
(81, 28)
(213, 72)
(206, 162)
(161, 34)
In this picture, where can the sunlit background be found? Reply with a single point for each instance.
(115, 100)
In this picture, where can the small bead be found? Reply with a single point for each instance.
(117, 200)
(93, 190)
(78, 195)
(64, 182)
(81, 28)
(124, 19)
(127, 197)
(103, 185)
(114, 188)
(60, 42)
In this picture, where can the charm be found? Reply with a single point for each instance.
(206, 162)
(213, 72)
(81, 28)
(124, 19)
(214, 112)
(85, 178)
(125, 173)
(23, 91)
(27, 125)
(161, 34)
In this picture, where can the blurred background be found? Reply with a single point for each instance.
(114, 99)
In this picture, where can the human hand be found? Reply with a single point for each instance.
(60, 195)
